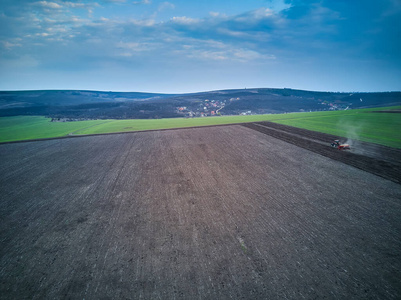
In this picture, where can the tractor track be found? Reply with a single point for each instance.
(294, 134)
(387, 166)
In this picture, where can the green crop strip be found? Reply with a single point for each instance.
(362, 124)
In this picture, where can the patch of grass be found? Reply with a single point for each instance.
(35, 127)
(137, 124)
(242, 243)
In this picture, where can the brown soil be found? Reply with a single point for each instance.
(205, 213)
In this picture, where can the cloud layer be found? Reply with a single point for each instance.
(137, 45)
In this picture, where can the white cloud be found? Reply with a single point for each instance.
(247, 55)
(214, 14)
(184, 20)
(145, 23)
(130, 46)
(130, 49)
(47, 4)
(213, 50)
(48, 20)
(228, 54)
(166, 5)
(213, 43)
(44, 34)
(320, 14)
(8, 45)
(81, 5)
(74, 5)
(250, 35)
(261, 19)
(57, 29)
(263, 13)
(142, 2)
(76, 20)
(209, 55)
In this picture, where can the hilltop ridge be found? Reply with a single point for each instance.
(80, 104)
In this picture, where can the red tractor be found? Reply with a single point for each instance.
(336, 143)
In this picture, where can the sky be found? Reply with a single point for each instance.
(181, 46)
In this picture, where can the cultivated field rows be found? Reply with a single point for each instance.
(202, 213)
(377, 151)
(376, 159)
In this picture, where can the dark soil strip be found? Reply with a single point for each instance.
(375, 166)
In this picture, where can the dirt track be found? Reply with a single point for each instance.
(207, 213)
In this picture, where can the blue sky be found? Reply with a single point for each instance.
(189, 46)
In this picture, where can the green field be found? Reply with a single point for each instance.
(25, 128)
(362, 124)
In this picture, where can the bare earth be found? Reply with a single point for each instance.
(201, 213)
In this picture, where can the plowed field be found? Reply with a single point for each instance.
(200, 213)
(377, 159)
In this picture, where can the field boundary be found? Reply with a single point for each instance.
(306, 139)
(119, 132)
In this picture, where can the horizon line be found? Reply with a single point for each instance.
(197, 92)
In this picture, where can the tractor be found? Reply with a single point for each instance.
(336, 143)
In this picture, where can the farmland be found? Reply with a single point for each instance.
(24, 128)
(28, 127)
(357, 124)
(364, 125)
(207, 213)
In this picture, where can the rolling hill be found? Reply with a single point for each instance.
(69, 104)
